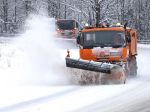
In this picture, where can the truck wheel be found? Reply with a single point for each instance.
(133, 67)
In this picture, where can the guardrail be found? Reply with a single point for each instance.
(8, 35)
(144, 41)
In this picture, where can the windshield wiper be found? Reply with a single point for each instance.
(102, 45)
(117, 46)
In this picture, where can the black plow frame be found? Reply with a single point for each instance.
(88, 65)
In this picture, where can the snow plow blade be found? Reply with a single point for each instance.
(96, 72)
(89, 65)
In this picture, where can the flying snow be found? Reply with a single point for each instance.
(34, 58)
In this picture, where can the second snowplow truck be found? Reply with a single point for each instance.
(107, 49)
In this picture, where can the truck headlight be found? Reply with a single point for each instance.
(115, 53)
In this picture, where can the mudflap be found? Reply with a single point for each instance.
(89, 72)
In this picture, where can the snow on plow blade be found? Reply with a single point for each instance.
(89, 65)
(97, 72)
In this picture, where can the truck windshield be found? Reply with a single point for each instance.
(104, 39)
(66, 24)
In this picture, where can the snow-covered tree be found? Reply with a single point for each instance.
(13, 13)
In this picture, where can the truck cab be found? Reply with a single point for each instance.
(116, 45)
(66, 28)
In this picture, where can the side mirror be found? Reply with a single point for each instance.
(125, 25)
(78, 39)
(128, 39)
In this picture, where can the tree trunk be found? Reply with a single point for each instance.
(97, 7)
(59, 9)
(15, 11)
(5, 9)
(65, 15)
(27, 6)
(122, 11)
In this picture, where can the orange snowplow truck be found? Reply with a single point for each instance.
(103, 49)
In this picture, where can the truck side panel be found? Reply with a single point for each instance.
(133, 44)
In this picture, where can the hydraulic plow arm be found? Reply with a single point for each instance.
(89, 65)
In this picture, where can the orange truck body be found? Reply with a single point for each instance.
(128, 51)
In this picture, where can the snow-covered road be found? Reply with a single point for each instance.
(33, 78)
(31, 96)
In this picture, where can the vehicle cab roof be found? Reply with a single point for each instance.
(95, 29)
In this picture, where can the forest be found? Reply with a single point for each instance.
(13, 13)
